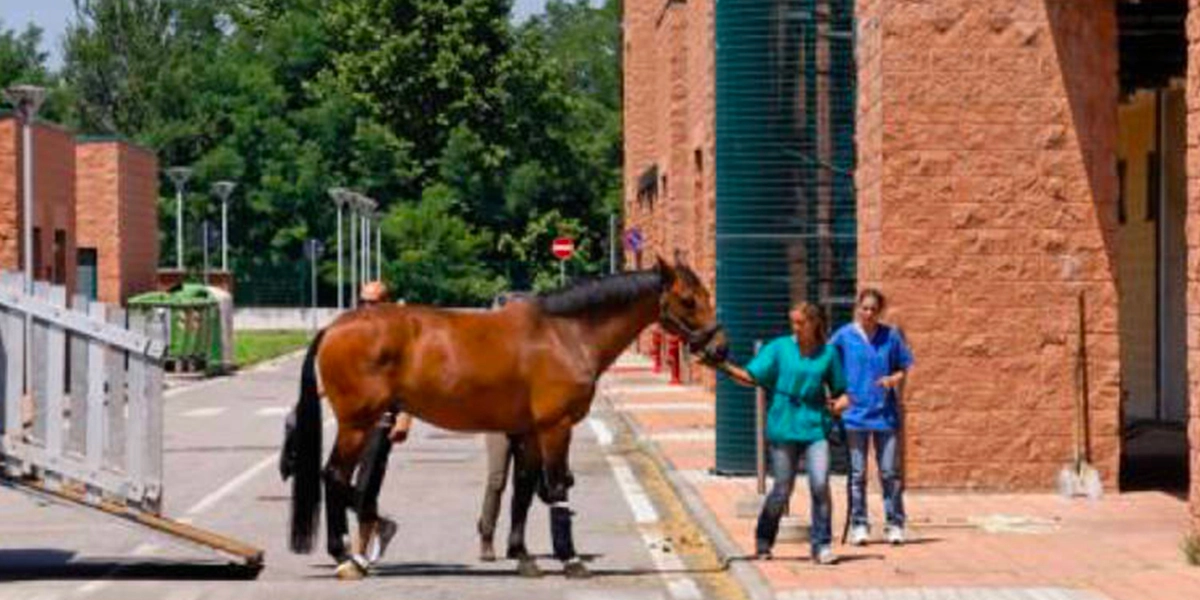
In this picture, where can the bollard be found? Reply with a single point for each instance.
(673, 356)
(656, 349)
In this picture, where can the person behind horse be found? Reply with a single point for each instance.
(808, 388)
(877, 359)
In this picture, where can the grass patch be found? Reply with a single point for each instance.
(250, 347)
(1191, 549)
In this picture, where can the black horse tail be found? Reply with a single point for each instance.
(305, 447)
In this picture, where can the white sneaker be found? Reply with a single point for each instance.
(859, 535)
(895, 535)
(378, 544)
(825, 556)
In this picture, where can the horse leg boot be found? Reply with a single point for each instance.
(557, 481)
(374, 532)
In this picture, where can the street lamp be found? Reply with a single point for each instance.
(341, 197)
(27, 99)
(179, 176)
(368, 207)
(222, 190)
(378, 246)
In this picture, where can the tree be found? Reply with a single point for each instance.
(21, 62)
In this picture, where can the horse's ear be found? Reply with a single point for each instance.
(665, 270)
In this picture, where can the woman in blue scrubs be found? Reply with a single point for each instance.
(877, 359)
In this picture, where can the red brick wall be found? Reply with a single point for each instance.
(98, 218)
(10, 221)
(54, 201)
(668, 122)
(139, 220)
(1193, 243)
(987, 186)
(118, 196)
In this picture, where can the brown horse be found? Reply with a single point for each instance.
(529, 369)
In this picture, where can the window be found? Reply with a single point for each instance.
(60, 257)
(86, 263)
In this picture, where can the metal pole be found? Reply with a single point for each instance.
(27, 175)
(224, 236)
(312, 267)
(612, 243)
(178, 228)
(366, 247)
(204, 232)
(378, 249)
(353, 259)
(760, 409)
(562, 273)
(341, 284)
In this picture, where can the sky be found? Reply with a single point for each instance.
(52, 16)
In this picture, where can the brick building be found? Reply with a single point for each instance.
(53, 206)
(95, 211)
(117, 218)
(1011, 155)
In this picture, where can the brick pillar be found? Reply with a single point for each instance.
(1193, 250)
(986, 202)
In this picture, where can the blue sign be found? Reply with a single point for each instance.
(634, 240)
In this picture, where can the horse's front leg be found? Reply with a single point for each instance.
(555, 443)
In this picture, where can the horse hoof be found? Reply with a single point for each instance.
(486, 554)
(351, 569)
(516, 553)
(527, 567)
(575, 569)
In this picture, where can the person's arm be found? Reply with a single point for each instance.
(738, 374)
(839, 401)
(399, 431)
(902, 360)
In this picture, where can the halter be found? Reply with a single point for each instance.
(697, 340)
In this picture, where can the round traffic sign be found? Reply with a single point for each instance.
(563, 248)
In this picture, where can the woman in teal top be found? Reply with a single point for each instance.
(808, 387)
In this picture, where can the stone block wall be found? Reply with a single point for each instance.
(987, 204)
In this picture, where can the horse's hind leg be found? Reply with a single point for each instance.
(368, 481)
(556, 482)
(339, 497)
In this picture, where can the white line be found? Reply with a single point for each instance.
(669, 564)
(665, 406)
(639, 502)
(657, 388)
(191, 387)
(604, 435)
(272, 411)
(91, 587)
(684, 435)
(200, 413)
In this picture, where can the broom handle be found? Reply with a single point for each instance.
(1083, 379)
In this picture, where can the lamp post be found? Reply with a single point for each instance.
(27, 99)
(179, 176)
(341, 197)
(378, 246)
(354, 203)
(222, 190)
(367, 211)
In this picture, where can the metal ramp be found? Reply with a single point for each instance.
(82, 408)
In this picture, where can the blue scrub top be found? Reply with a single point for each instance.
(872, 406)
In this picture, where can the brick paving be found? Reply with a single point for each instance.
(963, 545)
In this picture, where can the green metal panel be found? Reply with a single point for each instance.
(785, 104)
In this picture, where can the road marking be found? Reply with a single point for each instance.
(684, 435)
(201, 413)
(637, 390)
(604, 435)
(91, 587)
(635, 496)
(670, 565)
(191, 387)
(272, 411)
(665, 406)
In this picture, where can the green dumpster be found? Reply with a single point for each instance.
(194, 330)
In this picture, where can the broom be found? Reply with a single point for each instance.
(1080, 478)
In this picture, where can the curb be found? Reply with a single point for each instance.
(748, 576)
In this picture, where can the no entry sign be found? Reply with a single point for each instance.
(563, 248)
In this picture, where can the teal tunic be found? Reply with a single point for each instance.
(799, 387)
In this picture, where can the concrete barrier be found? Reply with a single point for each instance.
(261, 318)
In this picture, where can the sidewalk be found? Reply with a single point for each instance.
(1124, 547)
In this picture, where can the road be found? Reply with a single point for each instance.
(221, 444)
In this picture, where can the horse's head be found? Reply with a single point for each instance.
(686, 310)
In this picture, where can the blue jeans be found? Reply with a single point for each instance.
(785, 459)
(887, 455)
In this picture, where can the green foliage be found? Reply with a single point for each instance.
(480, 139)
(22, 63)
(250, 347)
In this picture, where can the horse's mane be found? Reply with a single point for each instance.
(592, 294)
